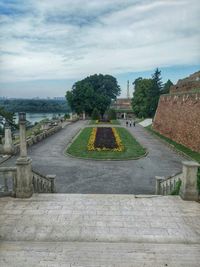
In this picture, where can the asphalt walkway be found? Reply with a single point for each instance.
(104, 177)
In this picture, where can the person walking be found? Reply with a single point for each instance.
(130, 123)
(134, 123)
(126, 123)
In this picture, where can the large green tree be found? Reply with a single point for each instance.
(146, 95)
(166, 87)
(155, 92)
(95, 91)
(141, 99)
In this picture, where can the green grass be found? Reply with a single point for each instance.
(114, 122)
(133, 149)
(192, 154)
(176, 190)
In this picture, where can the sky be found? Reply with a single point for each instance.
(46, 46)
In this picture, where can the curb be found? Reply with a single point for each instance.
(93, 159)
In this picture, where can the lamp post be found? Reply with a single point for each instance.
(24, 183)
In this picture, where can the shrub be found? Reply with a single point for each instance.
(112, 114)
(95, 114)
(66, 116)
(177, 188)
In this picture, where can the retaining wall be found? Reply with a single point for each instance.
(178, 118)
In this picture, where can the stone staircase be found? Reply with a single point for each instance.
(99, 230)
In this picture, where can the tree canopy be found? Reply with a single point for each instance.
(166, 87)
(95, 91)
(146, 95)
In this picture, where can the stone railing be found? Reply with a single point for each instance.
(188, 186)
(7, 181)
(165, 186)
(8, 178)
(34, 139)
(42, 183)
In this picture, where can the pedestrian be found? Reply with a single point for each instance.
(134, 123)
(130, 123)
(126, 123)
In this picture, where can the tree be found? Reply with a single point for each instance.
(112, 114)
(166, 87)
(141, 97)
(95, 114)
(155, 92)
(93, 91)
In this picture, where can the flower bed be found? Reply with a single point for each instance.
(103, 121)
(105, 138)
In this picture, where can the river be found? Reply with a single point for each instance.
(36, 117)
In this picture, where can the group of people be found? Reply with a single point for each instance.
(130, 123)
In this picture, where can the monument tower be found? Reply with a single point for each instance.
(128, 93)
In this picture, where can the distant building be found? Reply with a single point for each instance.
(123, 106)
(59, 98)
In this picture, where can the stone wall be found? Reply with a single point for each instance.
(178, 118)
(187, 84)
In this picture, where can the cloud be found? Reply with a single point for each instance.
(67, 39)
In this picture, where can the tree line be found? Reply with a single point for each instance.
(34, 105)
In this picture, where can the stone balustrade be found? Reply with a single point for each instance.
(188, 177)
(165, 186)
(8, 178)
(34, 139)
(42, 183)
(7, 181)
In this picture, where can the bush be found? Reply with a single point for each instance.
(112, 114)
(177, 188)
(95, 114)
(66, 116)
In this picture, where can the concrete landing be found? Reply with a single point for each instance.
(82, 254)
(99, 230)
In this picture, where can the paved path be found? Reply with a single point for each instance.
(75, 230)
(112, 177)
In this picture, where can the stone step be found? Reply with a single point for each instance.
(79, 254)
(103, 218)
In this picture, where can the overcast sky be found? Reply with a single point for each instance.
(47, 45)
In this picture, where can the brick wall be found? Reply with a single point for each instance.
(178, 118)
(187, 84)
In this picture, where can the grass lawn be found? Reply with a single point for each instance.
(192, 154)
(133, 149)
(115, 122)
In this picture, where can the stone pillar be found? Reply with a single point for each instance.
(188, 190)
(158, 182)
(71, 116)
(8, 147)
(124, 115)
(83, 115)
(24, 183)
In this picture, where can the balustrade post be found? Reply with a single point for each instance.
(158, 181)
(52, 177)
(24, 183)
(8, 146)
(188, 190)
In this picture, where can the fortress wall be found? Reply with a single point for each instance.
(178, 118)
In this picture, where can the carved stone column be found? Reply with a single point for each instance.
(188, 190)
(24, 183)
(8, 146)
